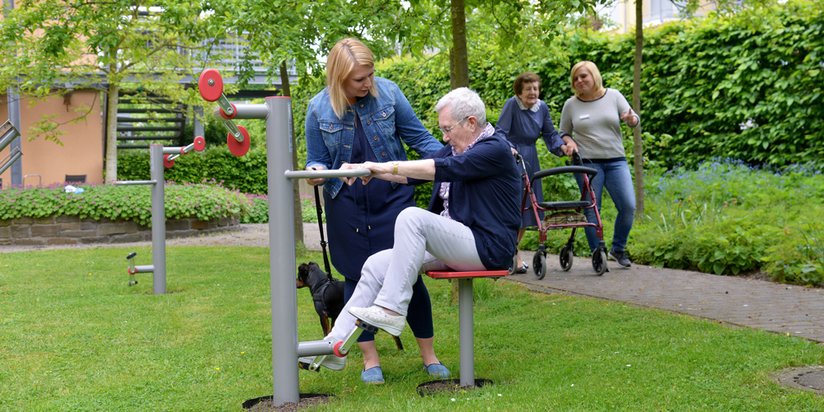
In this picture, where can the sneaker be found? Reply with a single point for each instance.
(327, 361)
(522, 269)
(437, 370)
(621, 257)
(377, 317)
(372, 376)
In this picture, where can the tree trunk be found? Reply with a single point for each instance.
(458, 58)
(638, 152)
(458, 72)
(298, 223)
(112, 97)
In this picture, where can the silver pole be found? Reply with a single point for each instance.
(158, 220)
(199, 129)
(14, 117)
(282, 257)
(467, 340)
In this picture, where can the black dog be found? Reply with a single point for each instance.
(327, 294)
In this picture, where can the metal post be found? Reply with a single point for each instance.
(14, 117)
(467, 338)
(282, 251)
(158, 219)
(199, 130)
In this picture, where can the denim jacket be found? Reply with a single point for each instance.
(386, 120)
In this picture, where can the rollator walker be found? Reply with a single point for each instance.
(564, 215)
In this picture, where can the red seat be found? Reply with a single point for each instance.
(437, 274)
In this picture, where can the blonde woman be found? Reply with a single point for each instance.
(358, 118)
(593, 118)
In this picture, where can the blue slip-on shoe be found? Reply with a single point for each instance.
(437, 370)
(372, 376)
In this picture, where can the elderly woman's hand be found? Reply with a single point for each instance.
(357, 166)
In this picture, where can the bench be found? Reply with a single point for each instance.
(465, 316)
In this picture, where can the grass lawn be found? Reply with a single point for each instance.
(75, 337)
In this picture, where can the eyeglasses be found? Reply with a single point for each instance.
(448, 129)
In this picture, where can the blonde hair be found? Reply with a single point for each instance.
(593, 71)
(345, 56)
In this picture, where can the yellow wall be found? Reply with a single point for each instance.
(82, 149)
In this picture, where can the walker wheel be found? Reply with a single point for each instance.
(539, 264)
(599, 261)
(336, 349)
(238, 148)
(210, 85)
(566, 257)
(167, 163)
(200, 144)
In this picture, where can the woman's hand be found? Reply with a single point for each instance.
(317, 180)
(630, 118)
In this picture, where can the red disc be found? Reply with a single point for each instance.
(226, 116)
(238, 148)
(167, 163)
(200, 144)
(336, 349)
(210, 85)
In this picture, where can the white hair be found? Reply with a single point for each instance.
(463, 103)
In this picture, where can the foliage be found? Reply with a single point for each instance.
(130, 203)
(54, 44)
(258, 210)
(206, 345)
(727, 218)
(246, 174)
(740, 86)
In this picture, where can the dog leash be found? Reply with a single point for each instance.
(319, 209)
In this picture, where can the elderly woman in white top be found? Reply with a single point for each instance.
(593, 118)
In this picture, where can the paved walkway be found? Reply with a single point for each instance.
(785, 309)
(754, 303)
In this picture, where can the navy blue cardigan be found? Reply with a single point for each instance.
(484, 194)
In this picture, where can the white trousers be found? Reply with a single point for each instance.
(424, 241)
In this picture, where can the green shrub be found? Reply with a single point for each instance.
(258, 210)
(728, 219)
(246, 174)
(130, 203)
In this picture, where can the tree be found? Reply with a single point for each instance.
(458, 55)
(637, 150)
(153, 46)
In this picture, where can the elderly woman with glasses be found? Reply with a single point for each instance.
(471, 224)
(524, 119)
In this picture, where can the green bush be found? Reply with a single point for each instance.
(728, 219)
(246, 174)
(744, 86)
(259, 210)
(130, 203)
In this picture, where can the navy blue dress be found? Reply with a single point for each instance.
(361, 222)
(523, 127)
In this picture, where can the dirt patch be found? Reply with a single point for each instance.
(266, 403)
(448, 386)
